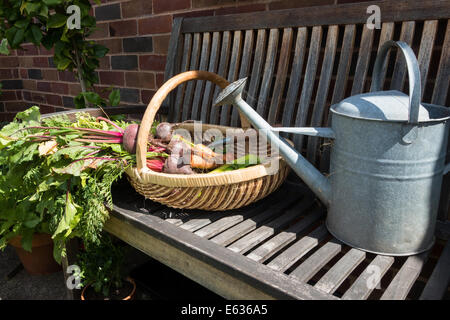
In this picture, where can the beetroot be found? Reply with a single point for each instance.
(164, 131)
(130, 138)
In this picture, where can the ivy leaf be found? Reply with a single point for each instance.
(100, 51)
(31, 114)
(44, 12)
(114, 98)
(22, 24)
(32, 7)
(27, 239)
(18, 38)
(56, 21)
(4, 47)
(63, 63)
(52, 2)
(32, 222)
(37, 34)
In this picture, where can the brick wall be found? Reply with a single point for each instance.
(137, 33)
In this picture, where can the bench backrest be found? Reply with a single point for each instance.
(300, 61)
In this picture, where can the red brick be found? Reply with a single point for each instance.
(112, 77)
(146, 95)
(136, 8)
(102, 91)
(26, 95)
(15, 106)
(6, 62)
(37, 97)
(288, 4)
(29, 84)
(41, 62)
(26, 62)
(210, 3)
(114, 45)
(74, 89)
(161, 24)
(152, 62)
(192, 14)
(66, 76)
(15, 73)
(172, 5)
(50, 74)
(161, 44)
(43, 86)
(19, 95)
(140, 79)
(123, 28)
(8, 96)
(30, 50)
(352, 1)
(5, 74)
(58, 87)
(54, 99)
(240, 9)
(46, 109)
(101, 31)
(159, 79)
(23, 74)
(45, 52)
(105, 63)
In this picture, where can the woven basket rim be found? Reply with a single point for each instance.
(147, 176)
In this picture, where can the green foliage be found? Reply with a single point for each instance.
(101, 264)
(58, 189)
(44, 22)
(95, 99)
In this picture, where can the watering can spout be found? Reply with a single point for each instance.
(319, 184)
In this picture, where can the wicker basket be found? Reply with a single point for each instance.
(215, 191)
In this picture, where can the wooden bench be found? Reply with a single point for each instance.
(299, 62)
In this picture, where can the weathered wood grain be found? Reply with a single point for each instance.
(284, 238)
(317, 260)
(308, 84)
(369, 278)
(199, 88)
(190, 86)
(187, 51)
(426, 49)
(362, 65)
(439, 280)
(403, 281)
(296, 251)
(340, 271)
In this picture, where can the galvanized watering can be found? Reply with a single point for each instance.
(387, 162)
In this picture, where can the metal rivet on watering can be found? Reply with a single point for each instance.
(386, 165)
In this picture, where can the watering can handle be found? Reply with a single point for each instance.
(415, 89)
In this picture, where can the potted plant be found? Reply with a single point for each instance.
(101, 272)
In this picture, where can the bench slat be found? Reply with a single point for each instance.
(200, 85)
(258, 62)
(174, 56)
(209, 86)
(399, 287)
(190, 86)
(269, 66)
(362, 64)
(398, 77)
(196, 223)
(308, 83)
(244, 71)
(233, 71)
(295, 252)
(345, 60)
(317, 260)
(282, 71)
(440, 278)
(281, 240)
(221, 71)
(441, 83)
(340, 271)
(259, 235)
(367, 281)
(236, 232)
(426, 50)
(187, 49)
(322, 90)
(387, 32)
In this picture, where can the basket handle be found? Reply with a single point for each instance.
(158, 98)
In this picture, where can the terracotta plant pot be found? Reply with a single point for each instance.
(40, 260)
(129, 296)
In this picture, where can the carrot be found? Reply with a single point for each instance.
(201, 163)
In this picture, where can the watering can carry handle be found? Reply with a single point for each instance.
(415, 89)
